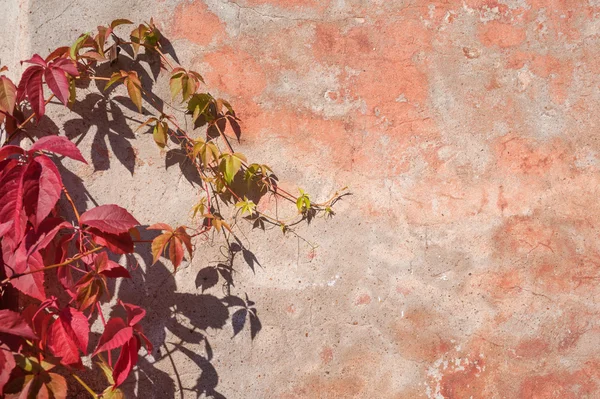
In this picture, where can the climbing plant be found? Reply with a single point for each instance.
(45, 329)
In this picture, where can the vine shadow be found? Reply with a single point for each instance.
(176, 320)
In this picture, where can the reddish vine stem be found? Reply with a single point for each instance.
(25, 122)
(54, 266)
(71, 202)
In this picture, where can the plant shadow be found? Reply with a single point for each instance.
(177, 324)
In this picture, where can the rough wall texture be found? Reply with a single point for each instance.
(466, 262)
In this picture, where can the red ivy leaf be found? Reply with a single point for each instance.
(59, 145)
(117, 243)
(36, 59)
(59, 52)
(35, 92)
(67, 65)
(22, 87)
(57, 81)
(109, 218)
(46, 232)
(50, 188)
(127, 360)
(9, 150)
(12, 323)
(18, 261)
(11, 201)
(116, 334)
(145, 339)
(62, 345)
(115, 270)
(109, 268)
(5, 227)
(7, 363)
(77, 327)
(134, 313)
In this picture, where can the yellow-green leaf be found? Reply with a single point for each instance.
(175, 84)
(137, 37)
(114, 78)
(231, 164)
(74, 50)
(208, 152)
(246, 206)
(160, 134)
(198, 104)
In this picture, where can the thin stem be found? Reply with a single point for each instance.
(25, 122)
(66, 262)
(224, 138)
(164, 57)
(83, 384)
(71, 202)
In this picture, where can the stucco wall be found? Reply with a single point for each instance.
(465, 263)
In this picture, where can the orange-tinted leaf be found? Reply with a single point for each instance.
(57, 386)
(8, 95)
(149, 121)
(159, 244)
(118, 22)
(185, 238)
(134, 89)
(114, 78)
(93, 55)
(176, 252)
(137, 37)
(103, 34)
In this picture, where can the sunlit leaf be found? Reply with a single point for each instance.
(160, 134)
(231, 164)
(8, 95)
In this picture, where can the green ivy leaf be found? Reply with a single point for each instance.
(231, 164)
(199, 105)
(303, 202)
(246, 206)
(74, 49)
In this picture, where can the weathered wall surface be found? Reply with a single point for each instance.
(466, 262)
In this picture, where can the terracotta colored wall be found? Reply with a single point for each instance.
(466, 262)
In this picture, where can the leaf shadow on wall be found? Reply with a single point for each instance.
(177, 325)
